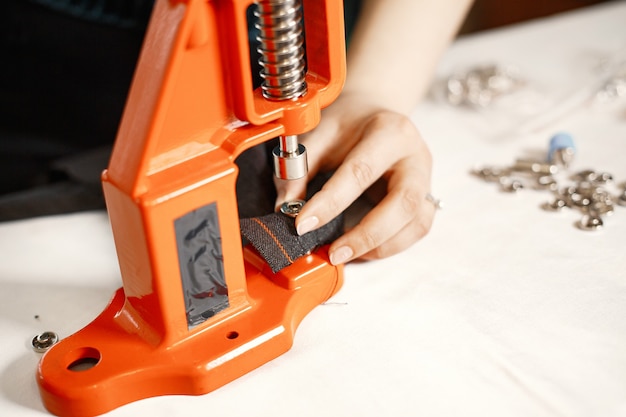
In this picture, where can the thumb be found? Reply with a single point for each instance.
(287, 190)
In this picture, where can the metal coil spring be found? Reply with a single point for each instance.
(283, 64)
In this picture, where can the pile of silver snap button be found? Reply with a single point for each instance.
(615, 86)
(480, 86)
(588, 194)
(592, 193)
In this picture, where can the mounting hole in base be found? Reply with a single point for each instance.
(83, 359)
(232, 335)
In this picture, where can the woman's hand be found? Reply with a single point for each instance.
(363, 143)
(365, 135)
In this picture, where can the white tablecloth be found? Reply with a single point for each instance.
(503, 309)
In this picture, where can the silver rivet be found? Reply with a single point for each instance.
(580, 200)
(44, 341)
(563, 157)
(435, 201)
(603, 208)
(547, 182)
(556, 205)
(620, 199)
(535, 167)
(491, 174)
(590, 222)
(292, 208)
(511, 185)
(603, 178)
(586, 193)
(585, 175)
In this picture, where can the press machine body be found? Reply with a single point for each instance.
(196, 309)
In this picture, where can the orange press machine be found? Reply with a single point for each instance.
(170, 192)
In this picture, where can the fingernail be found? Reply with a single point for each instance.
(341, 255)
(306, 225)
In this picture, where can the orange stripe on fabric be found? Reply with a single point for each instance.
(269, 232)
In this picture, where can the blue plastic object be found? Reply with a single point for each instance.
(560, 144)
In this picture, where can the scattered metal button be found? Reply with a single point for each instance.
(621, 199)
(547, 182)
(44, 341)
(603, 178)
(535, 167)
(511, 185)
(586, 191)
(590, 222)
(596, 177)
(482, 85)
(490, 174)
(556, 205)
(585, 175)
(435, 201)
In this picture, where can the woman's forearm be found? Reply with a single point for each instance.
(396, 45)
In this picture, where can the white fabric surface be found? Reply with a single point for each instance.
(503, 310)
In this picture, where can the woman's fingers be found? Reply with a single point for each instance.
(391, 147)
(417, 227)
(385, 145)
(288, 190)
(387, 139)
(400, 219)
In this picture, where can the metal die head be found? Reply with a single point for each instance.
(44, 341)
(290, 159)
(292, 208)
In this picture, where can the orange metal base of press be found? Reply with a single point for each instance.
(108, 364)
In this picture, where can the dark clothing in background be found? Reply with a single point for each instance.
(66, 72)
